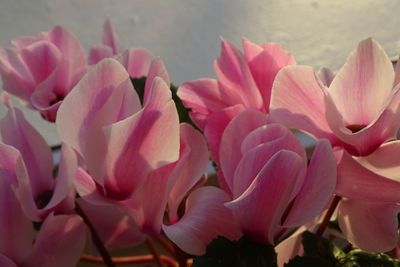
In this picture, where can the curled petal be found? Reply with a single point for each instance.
(195, 230)
(271, 188)
(56, 234)
(137, 61)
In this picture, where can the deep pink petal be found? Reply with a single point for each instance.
(356, 181)
(143, 142)
(364, 83)
(318, 187)
(16, 77)
(203, 97)
(195, 230)
(362, 224)
(137, 61)
(16, 131)
(60, 242)
(265, 62)
(16, 231)
(235, 78)
(297, 101)
(232, 138)
(115, 227)
(189, 169)
(6, 262)
(98, 53)
(104, 96)
(261, 207)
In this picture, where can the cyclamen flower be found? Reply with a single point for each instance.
(19, 246)
(358, 110)
(370, 186)
(41, 70)
(28, 161)
(265, 167)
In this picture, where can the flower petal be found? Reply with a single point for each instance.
(271, 188)
(109, 37)
(6, 262)
(156, 69)
(16, 131)
(297, 101)
(318, 187)
(364, 83)
(235, 79)
(56, 234)
(232, 138)
(265, 61)
(99, 53)
(137, 61)
(195, 230)
(357, 182)
(16, 231)
(362, 224)
(104, 96)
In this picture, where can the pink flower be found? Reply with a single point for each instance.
(20, 246)
(41, 70)
(360, 109)
(272, 188)
(370, 186)
(28, 161)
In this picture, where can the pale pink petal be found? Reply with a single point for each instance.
(98, 53)
(143, 142)
(265, 62)
(364, 83)
(137, 61)
(189, 169)
(318, 187)
(356, 181)
(60, 242)
(261, 207)
(65, 178)
(326, 76)
(47, 102)
(42, 58)
(290, 248)
(9, 157)
(274, 138)
(203, 97)
(16, 231)
(109, 37)
(235, 79)
(23, 41)
(6, 262)
(16, 77)
(363, 225)
(397, 75)
(16, 131)
(232, 138)
(364, 141)
(205, 218)
(297, 101)
(383, 161)
(104, 96)
(115, 227)
(157, 69)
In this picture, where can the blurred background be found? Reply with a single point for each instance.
(186, 33)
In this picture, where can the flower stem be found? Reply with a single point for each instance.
(147, 258)
(328, 215)
(166, 244)
(95, 237)
(154, 251)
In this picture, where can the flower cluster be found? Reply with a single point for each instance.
(130, 170)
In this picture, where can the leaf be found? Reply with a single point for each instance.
(360, 258)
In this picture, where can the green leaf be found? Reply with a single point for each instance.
(360, 258)
(316, 246)
(220, 253)
(306, 261)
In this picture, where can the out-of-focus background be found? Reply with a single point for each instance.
(186, 33)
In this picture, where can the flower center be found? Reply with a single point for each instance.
(355, 127)
(43, 199)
